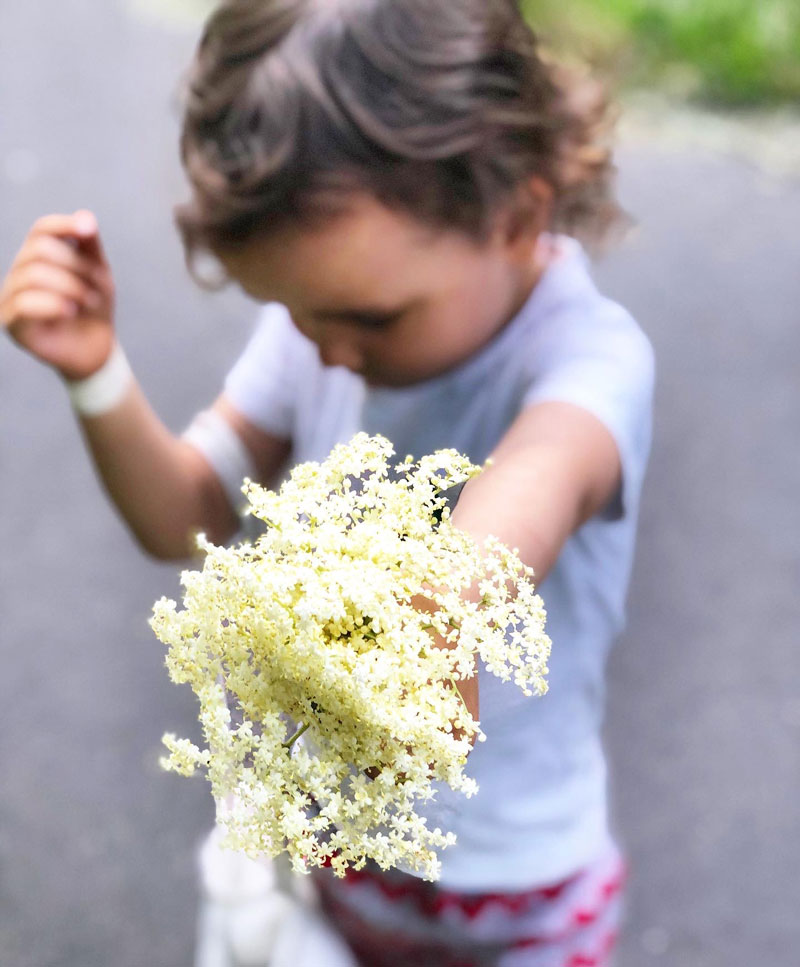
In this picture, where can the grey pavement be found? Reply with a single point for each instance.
(96, 843)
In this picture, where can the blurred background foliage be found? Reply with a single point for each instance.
(738, 53)
(733, 53)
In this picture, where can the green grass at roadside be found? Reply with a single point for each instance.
(738, 52)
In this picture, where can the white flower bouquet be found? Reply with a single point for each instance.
(328, 695)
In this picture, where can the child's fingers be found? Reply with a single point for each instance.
(46, 277)
(80, 229)
(55, 251)
(36, 306)
(78, 226)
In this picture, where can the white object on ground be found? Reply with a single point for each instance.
(260, 914)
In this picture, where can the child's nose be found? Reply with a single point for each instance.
(341, 352)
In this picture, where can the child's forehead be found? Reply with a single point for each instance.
(365, 225)
(365, 250)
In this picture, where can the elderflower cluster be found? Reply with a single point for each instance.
(327, 692)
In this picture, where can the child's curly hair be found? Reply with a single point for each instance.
(438, 108)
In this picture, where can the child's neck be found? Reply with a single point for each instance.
(530, 276)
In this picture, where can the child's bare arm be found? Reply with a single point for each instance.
(162, 486)
(555, 468)
(57, 303)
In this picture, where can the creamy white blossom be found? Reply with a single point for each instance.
(328, 710)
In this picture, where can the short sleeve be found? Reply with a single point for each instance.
(263, 382)
(602, 362)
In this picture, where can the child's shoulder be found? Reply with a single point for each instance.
(584, 348)
(567, 317)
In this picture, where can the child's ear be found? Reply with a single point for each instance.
(527, 215)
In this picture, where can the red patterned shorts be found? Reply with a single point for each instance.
(391, 919)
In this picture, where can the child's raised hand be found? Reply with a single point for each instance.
(57, 300)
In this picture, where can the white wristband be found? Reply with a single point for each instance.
(103, 390)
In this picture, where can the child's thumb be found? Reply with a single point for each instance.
(87, 233)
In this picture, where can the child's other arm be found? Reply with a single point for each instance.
(57, 303)
(556, 467)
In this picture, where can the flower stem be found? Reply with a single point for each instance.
(290, 742)
(457, 690)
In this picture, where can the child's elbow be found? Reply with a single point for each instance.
(163, 547)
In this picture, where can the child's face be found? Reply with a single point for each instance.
(384, 295)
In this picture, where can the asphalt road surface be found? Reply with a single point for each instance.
(96, 843)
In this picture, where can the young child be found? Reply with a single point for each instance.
(390, 177)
